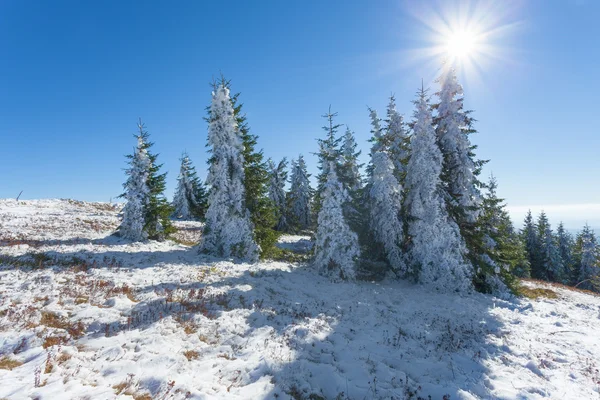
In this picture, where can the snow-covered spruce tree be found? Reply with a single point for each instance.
(436, 251)
(156, 208)
(378, 138)
(137, 194)
(228, 231)
(398, 139)
(201, 195)
(460, 169)
(586, 250)
(263, 213)
(552, 265)
(278, 179)
(328, 155)
(504, 257)
(349, 168)
(384, 204)
(565, 249)
(299, 196)
(530, 240)
(336, 246)
(184, 200)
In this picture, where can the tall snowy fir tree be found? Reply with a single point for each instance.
(263, 212)
(460, 169)
(349, 168)
(384, 205)
(336, 246)
(278, 179)
(398, 139)
(201, 195)
(156, 208)
(539, 269)
(299, 196)
(228, 230)
(565, 250)
(184, 200)
(328, 156)
(137, 194)
(503, 256)
(588, 265)
(436, 249)
(529, 237)
(552, 265)
(378, 138)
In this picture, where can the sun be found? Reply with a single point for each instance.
(461, 45)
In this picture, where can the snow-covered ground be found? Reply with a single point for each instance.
(87, 315)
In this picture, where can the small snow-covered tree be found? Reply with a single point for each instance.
(565, 249)
(228, 230)
(436, 249)
(378, 138)
(299, 196)
(349, 168)
(278, 179)
(586, 249)
(385, 203)
(398, 139)
(184, 200)
(336, 246)
(552, 265)
(137, 194)
(531, 241)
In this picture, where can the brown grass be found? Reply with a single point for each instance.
(561, 286)
(537, 293)
(9, 363)
(191, 354)
(54, 341)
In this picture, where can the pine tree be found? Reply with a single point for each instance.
(278, 179)
(385, 203)
(263, 213)
(328, 156)
(299, 196)
(542, 225)
(137, 194)
(503, 256)
(565, 249)
(378, 138)
(336, 246)
(201, 195)
(399, 142)
(436, 250)
(228, 230)
(349, 168)
(552, 262)
(586, 250)
(184, 200)
(530, 239)
(156, 208)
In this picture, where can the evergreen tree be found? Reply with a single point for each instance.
(378, 138)
(156, 208)
(263, 213)
(299, 196)
(278, 179)
(184, 200)
(565, 249)
(586, 250)
(349, 168)
(137, 194)
(530, 239)
(436, 249)
(385, 203)
(552, 262)
(503, 256)
(228, 231)
(328, 156)
(539, 270)
(201, 196)
(336, 246)
(399, 142)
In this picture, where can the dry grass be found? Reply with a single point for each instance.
(9, 363)
(54, 341)
(191, 355)
(558, 286)
(537, 293)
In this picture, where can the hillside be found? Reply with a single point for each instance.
(87, 315)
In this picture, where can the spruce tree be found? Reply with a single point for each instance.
(184, 200)
(565, 250)
(156, 208)
(299, 196)
(228, 230)
(436, 249)
(587, 254)
(349, 168)
(336, 246)
(137, 194)
(530, 239)
(201, 195)
(378, 140)
(552, 265)
(278, 179)
(398, 139)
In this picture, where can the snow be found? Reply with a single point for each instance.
(264, 330)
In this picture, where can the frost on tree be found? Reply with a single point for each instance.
(552, 265)
(436, 249)
(300, 195)
(277, 180)
(228, 231)
(336, 246)
(459, 166)
(589, 266)
(137, 194)
(385, 200)
(349, 168)
(184, 200)
(378, 138)
(565, 249)
(328, 156)
(398, 140)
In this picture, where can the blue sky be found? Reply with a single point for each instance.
(75, 76)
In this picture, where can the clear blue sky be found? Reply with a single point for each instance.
(76, 75)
